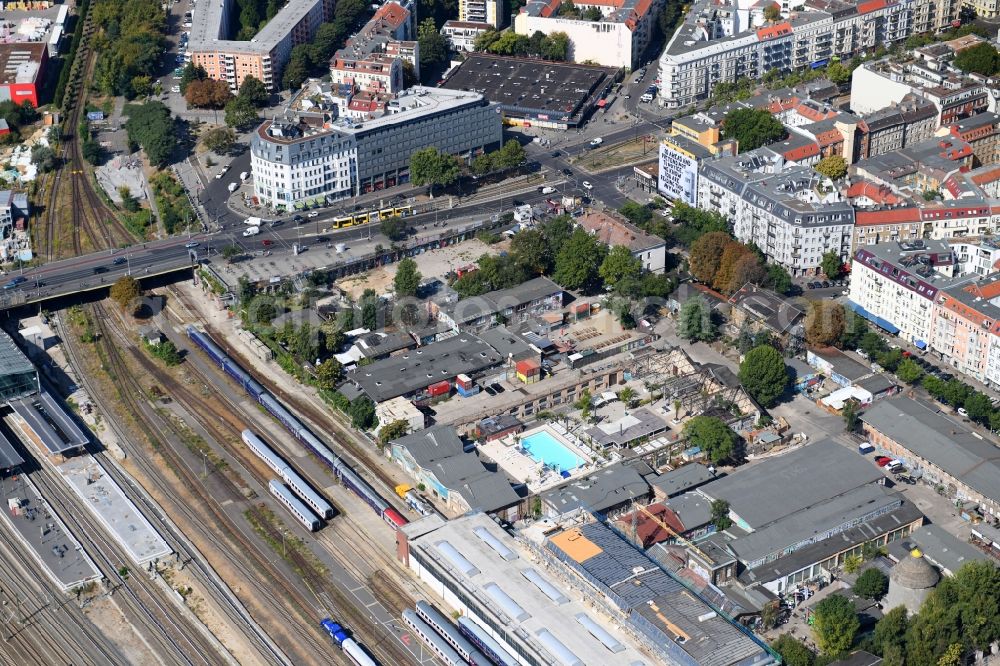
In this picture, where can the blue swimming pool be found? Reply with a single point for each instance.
(545, 448)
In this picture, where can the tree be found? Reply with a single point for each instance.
(839, 73)
(871, 584)
(706, 255)
(832, 166)
(254, 91)
(636, 213)
(207, 94)
(43, 157)
(230, 252)
(824, 323)
(720, 514)
(909, 372)
(619, 267)
(772, 13)
(793, 651)
(393, 430)
(362, 413)
(484, 40)
(151, 126)
(752, 128)
(763, 375)
(484, 164)
(627, 395)
(510, 155)
(835, 624)
(240, 113)
(979, 407)
(578, 262)
(329, 373)
(433, 47)
(125, 292)
(779, 279)
(92, 151)
(394, 228)
(190, 73)
(297, 68)
(890, 632)
(694, 322)
(129, 202)
(219, 140)
(430, 166)
(724, 277)
(711, 435)
(850, 415)
(531, 250)
(832, 265)
(980, 59)
(407, 278)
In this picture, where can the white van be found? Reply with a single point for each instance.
(251, 231)
(548, 189)
(596, 142)
(244, 175)
(252, 222)
(233, 187)
(646, 97)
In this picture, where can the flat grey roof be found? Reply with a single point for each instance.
(638, 584)
(940, 548)
(517, 603)
(419, 368)
(470, 309)
(682, 479)
(842, 364)
(770, 490)
(940, 441)
(602, 489)
(508, 345)
(640, 423)
(49, 421)
(12, 359)
(208, 30)
(797, 529)
(9, 457)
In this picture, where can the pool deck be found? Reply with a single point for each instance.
(524, 468)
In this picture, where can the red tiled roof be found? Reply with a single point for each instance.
(801, 152)
(986, 176)
(772, 31)
(876, 193)
(393, 14)
(888, 216)
(872, 5)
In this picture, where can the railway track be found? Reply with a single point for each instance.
(224, 425)
(271, 585)
(210, 530)
(40, 626)
(139, 597)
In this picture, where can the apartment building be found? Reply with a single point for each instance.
(309, 152)
(372, 60)
(720, 43)
(883, 225)
(881, 83)
(489, 12)
(617, 39)
(982, 132)
(933, 165)
(965, 323)
(909, 121)
(779, 208)
(895, 284)
(612, 231)
(263, 57)
(980, 256)
(462, 35)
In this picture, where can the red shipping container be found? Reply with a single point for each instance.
(440, 388)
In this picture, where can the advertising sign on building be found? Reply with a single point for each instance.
(678, 174)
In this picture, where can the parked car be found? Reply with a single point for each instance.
(882, 461)
(313, 213)
(862, 353)
(962, 412)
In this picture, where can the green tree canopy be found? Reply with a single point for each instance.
(433, 47)
(871, 584)
(219, 140)
(151, 126)
(329, 373)
(240, 114)
(711, 435)
(429, 166)
(43, 157)
(695, 321)
(832, 264)
(362, 413)
(407, 278)
(578, 262)
(832, 166)
(752, 128)
(706, 255)
(254, 92)
(793, 651)
(620, 268)
(392, 431)
(763, 375)
(531, 249)
(720, 514)
(979, 59)
(636, 213)
(835, 624)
